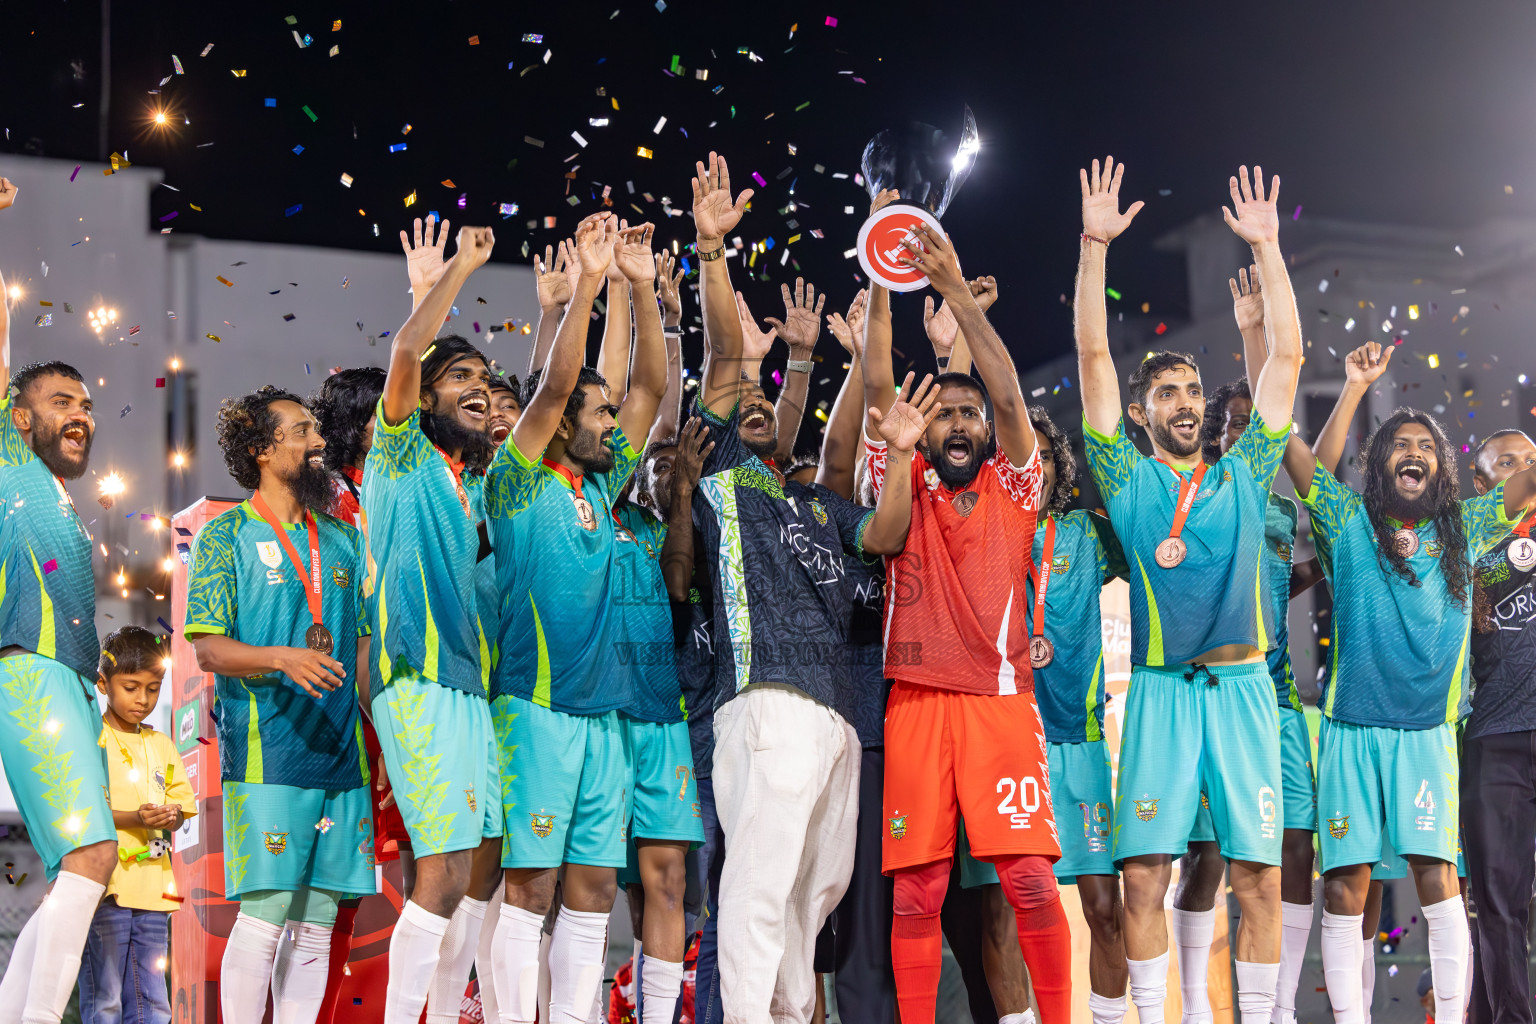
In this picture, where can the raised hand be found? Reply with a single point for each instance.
(550, 281)
(594, 246)
(849, 330)
(632, 252)
(1101, 201)
(1247, 299)
(941, 327)
(713, 212)
(474, 248)
(884, 198)
(801, 324)
(755, 342)
(8, 192)
(907, 420)
(669, 288)
(693, 447)
(424, 262)
(1256, 220)
(984, 291)
(1366, 363)
(934, 256)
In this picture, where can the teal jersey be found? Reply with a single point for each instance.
(1279, 538)
(553, 534)
(644, 646)
(243, 585)
(47, 587)
(1070, 690)
(1220, 593)
(487, 597)
(1398, 651)
(419, 528)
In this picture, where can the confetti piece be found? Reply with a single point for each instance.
(1296, 215)
(159, 382)
(204, 742)
(133, 330)
(347, 179)
(226, 282)
(50, 565)
(579, 140)
(532, 37)
(43, 320)
(336, 25)
(312, 115)
(533, 141)
(324, 825)
(508, 209)
(287, 316)
(213, 337)
(176, 61)
(831, 22)
(761, 181)
(206, 50)
(660, 124)
(410, 200)
(474, 40)
(293, 210)
(334, 51)
(237, 74)
(73, 173)
(1112, 294)
(1392, 971)
(170, 216)
(640, 151)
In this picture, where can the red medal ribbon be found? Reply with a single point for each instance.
(1043, 574)
(565, 473)
(1523, 528)
(1187, 491)
(312, 589)
(456, 469)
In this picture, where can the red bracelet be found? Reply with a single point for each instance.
(1094, 238)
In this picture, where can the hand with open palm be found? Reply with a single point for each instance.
(907, 420)
(713, 211)
(1101, 201)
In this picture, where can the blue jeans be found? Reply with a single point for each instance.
(711, 857)
(121, 977)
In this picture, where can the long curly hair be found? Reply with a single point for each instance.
(342, 407)
(1379, 493)
(247, 428)
(1062, 457)
(1215, 422)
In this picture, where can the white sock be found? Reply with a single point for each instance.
(414, 950)
(484, 974)
(636, 974)
(1449, 947)
(246, 971)
(1149, 987)
(1295, 926)
(18, 971)
(515, 964)
(599, 1013)
(1367, 979)
(544, 943)
(575, 964)
(1341, 966)
(1106, 1009)
(1027, 1017)
(67, 916)
(1255, 990)
(454, 960)
(299, 973)
(1192, 933)
(661, 985)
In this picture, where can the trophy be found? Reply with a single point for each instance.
(927, 167)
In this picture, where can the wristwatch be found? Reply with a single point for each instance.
(798, 366)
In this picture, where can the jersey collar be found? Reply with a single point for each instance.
(453, 464)
(572, 480)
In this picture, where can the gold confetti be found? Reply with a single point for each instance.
(213, 337)
(642, 151)
(410, 200)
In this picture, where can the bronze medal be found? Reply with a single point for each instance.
(584, 514)
(318, 639)
(1522, 553)
(1405, 542)
(1041, 652)
(965, 503)
(1170, 552)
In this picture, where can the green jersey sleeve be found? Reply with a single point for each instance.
(211, 598)
(1111, 459)
(1332, 505)
(14, 450)
(402, 447)
(1484, 522)
(513, 481)
(1262, 449)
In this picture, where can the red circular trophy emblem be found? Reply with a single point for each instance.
(880, 246)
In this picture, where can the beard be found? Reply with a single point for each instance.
(958, 476)
(1411, 510)
(312, 487)
(476, 449)
(587, 449)
(1165, 439)
(49, 448)
(763, 449)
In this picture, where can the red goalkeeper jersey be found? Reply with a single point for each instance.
(955, 607)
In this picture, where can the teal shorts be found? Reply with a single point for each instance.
(567, 784)
(1296, 777)
(1081, 791)
(1184, 740)
(665, 802)
(1392, 866)
(440, 754)
(50, 736)
(1382, 791)
(289, 838)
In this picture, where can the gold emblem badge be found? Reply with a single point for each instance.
(1146, 810)
(819, 512)
(276, 842)
(469, 795)
(899, 827)
(1338, 827)
(341, 577)
(542, 824)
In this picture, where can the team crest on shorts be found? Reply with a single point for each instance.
(1146, 810)
(542, 824)
(275, 842)
(1338, 827)
(1283, 550)
(899, 827)
(469, 795)
(341, 577)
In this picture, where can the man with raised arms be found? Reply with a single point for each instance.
(1399, 557)
(1193, 537)
(275, 612)
(48, 653)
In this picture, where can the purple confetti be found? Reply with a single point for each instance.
(76, 171)
(50, 565)
(1297, 215)
(761, 181)
(170, 216)
(778, 378)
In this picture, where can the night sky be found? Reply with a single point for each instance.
(1413, 113)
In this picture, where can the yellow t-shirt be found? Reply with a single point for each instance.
(137, 764)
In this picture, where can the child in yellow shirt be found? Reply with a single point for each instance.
(123, 967)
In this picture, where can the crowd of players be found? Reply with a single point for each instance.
(602, 626)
